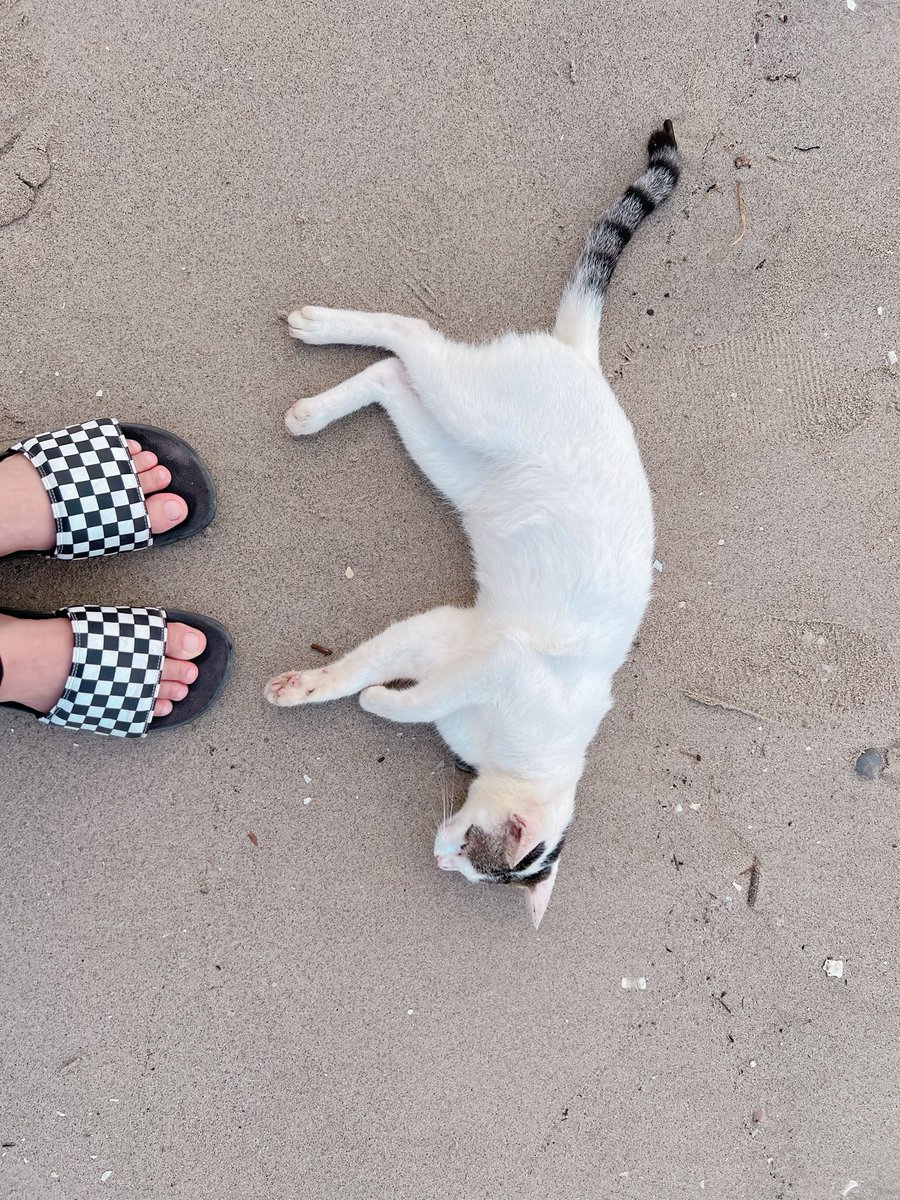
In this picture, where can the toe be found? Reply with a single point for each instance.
(143, 462)
(169, 690)
(134, 448)
(179, 670)
(182, 641)
(153, 480)
(166, 510)
(162, 708)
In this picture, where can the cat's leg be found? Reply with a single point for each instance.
(313, 413)
(456, 472)
(448, 378)
(410, 649)
(456, 685)
(348, 327)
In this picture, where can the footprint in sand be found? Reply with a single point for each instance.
(764, 388)
(24, 168)
(777, 668)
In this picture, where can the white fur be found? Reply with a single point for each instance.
(525, 437)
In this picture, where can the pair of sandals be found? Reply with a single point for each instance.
(99, 509)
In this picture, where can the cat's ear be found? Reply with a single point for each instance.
(539, 896)
(521, 835)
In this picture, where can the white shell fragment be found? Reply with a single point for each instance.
(892, 357)
(657, 565)
(634, 985)
(834, 967)
(349, 572)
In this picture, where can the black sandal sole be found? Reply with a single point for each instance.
(214, 666)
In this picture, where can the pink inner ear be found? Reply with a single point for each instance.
(521, 838)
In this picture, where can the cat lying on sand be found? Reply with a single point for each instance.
(525, 437)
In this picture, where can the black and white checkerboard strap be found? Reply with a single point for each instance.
(116, 669)
(97, 501)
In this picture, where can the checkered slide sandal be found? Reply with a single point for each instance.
(117, 667)
(97, 502)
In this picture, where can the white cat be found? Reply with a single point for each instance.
(525, 437)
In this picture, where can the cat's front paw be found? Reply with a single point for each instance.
(298, 687)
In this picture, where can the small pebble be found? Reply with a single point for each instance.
(892, 357)
(834, 967)
(307, 800)
(349, 572)
(870, 764)
(657, 565)
(105, 1176)
(307, 779)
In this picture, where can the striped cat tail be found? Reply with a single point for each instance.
(578, 318)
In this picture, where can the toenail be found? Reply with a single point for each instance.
(172, 509)
(192, 643)
(190, 675)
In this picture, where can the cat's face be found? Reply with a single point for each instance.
(495, 838)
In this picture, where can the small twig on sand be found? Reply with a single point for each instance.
(742, 216)
(721, 702)
(320, 649)
(753, 886)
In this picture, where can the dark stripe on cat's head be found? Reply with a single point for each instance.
(531, 857)
(518, 874)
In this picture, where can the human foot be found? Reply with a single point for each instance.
(36, 656)
(26, 519)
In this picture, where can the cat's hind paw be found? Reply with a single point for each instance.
(316, 326)
(298, 687)
(307, 416)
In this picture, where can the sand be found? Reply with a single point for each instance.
(189, 1014)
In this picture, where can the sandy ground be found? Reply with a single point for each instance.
(186, 1014)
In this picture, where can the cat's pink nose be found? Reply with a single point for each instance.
(444, 862)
